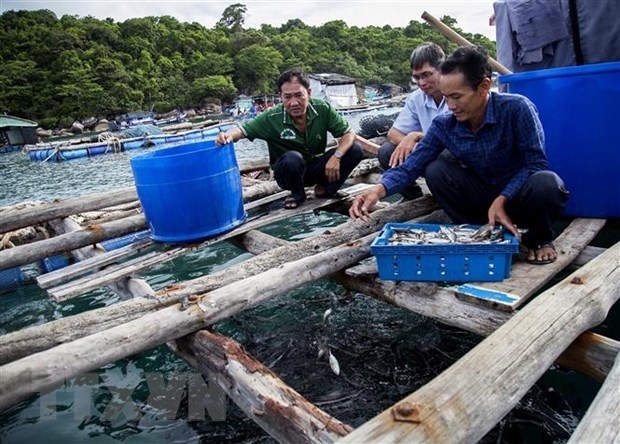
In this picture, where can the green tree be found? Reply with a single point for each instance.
(221, 87)
(233, 17)
(256, 69)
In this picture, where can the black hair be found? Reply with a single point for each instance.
(472, 61)
(427, 52)
(290, 74)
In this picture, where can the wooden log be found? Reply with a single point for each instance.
(42, 337)
(47, 369)
(368, 146)
(459, 40)
(600, 423)
(591, 354)
(74, 271)
(504, 366)
(28, 253)
(13, 219)
(261, 394)
(126, 288)
(59, 208)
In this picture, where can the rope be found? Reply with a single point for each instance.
(5, 242)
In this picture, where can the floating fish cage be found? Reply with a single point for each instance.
(442, 262)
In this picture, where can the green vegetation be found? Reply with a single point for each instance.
(55, 69)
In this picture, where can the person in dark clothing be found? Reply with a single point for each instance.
(495, 169)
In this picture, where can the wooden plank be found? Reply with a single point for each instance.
(266, 399)
(368, 146)
(127, 268)
(126, 288)
(59, 208)
(503, 366)
(526, 279)
(92, 234)
(95, 262)
(600, 423)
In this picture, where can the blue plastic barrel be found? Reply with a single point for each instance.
(578, 110)
(189, 192)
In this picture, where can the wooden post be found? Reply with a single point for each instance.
(450, 34)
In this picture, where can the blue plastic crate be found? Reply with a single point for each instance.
(443, 262)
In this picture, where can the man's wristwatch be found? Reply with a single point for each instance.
(338, 154)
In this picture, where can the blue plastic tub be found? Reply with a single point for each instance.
(189, 192)
(578, 110)
(441, 263)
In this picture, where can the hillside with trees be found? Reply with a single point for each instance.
(56, 70)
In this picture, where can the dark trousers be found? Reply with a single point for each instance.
(466, 198)
(292, 172)
(385, 152)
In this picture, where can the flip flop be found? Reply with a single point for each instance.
(541, 261)
(290, 203)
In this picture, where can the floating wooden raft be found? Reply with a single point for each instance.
(551, 327)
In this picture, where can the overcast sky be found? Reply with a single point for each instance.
(471, 15)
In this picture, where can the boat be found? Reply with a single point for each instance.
(112, 143)
(15, 132)
(138, 118)
(171, 118)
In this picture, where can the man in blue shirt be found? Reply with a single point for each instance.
(496, 167)
(296, 135)
(420, 109)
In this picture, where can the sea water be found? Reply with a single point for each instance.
(385, 353)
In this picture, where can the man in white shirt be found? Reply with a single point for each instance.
(420, 109)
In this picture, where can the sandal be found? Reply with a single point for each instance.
(531, 257)
(290, 203)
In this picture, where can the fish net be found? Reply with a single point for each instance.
(378, 125)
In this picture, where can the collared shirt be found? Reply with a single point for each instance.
(276, 127)
(419, 111)
(507, 148)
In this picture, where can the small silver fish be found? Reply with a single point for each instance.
(326, 315)
(333, 363)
